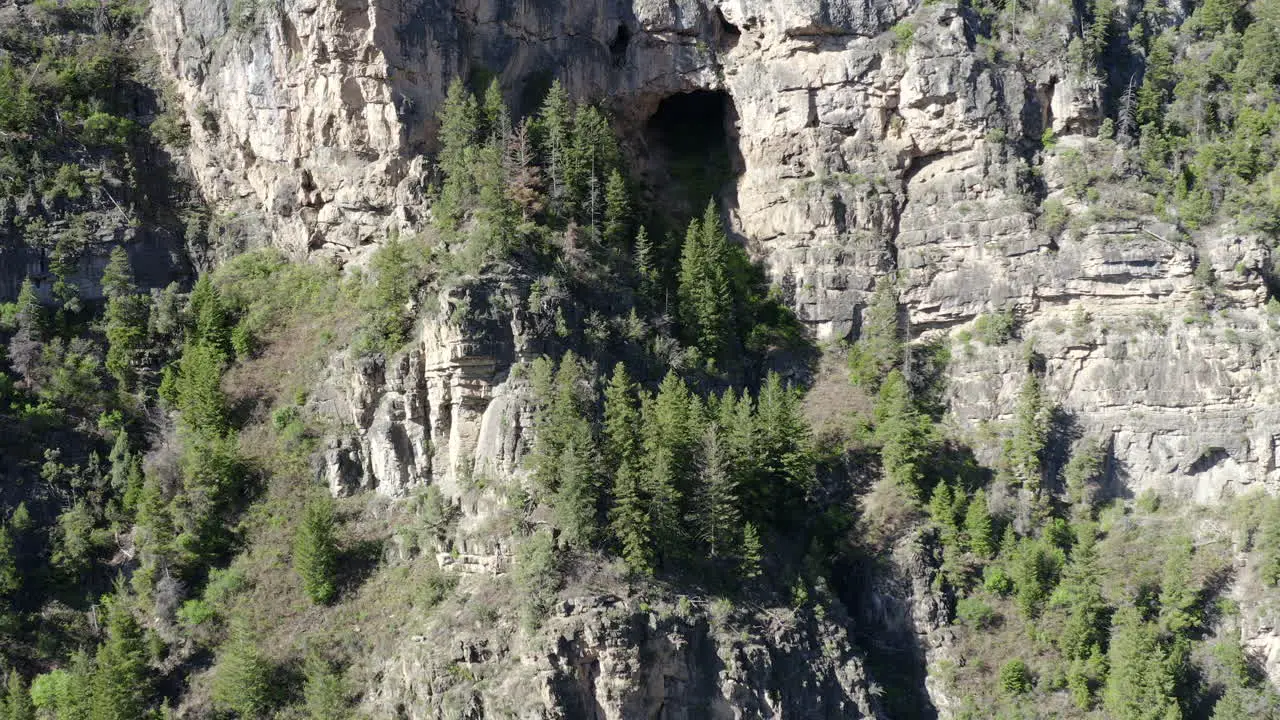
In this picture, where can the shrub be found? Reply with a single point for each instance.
(994, 329)
(974, 613)
(996, 581)
(1015, 677)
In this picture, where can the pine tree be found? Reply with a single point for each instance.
(787, 472)
(621, 419)
(977, 526)
(705, 298)
(630, 520)
(459, 125)
(1140, 685)
(324, 692)
(940, 508)
(121, 682)
(906, 435)
(720, 513)
(27, 344)
(10, 577)
(117, 277)
(526, 184)
(577, 498)
(749, 563)
(210, 324)
(497, 119)
(17, 701)
(593, 155)
(200, 400)
(242, 679)
(1024, 450)
(661, 485)
(1179, 599)
(879, 346)
(1085, 631)
(555, 119)
(646, 263)
(315, 551)
(617, 212)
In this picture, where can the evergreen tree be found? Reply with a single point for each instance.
(210, 324)
(459, 125)
(879, 346)
(720, 516)
(593, 156)
(705, 300)
(1036, 567)
(497, 119)
(1141, 684)
(621, 419)
(749, 563)
(200, 400)
(660, 484)
(940, 508)
(1025, 449)
(906, 435)
(646, 263)
(526, 184)
(17, 701)
(324, 692)
(10, 577)
(242, 678)
(26, 347)
(1085, 632)
(556, 121)
(617, 211)
(631, 521)
(117, 277)
(121, 682)
(577, 498)
(1179, 598)
(977, 526)
(785, 461)
(315, 551)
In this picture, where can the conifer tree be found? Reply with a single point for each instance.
(10, 577)
(1025, 449)
(940, 508)
(906, 435)
(720, 514)
(577, 497)
(126, 318)
(617, 212)
(630, 520)
(646, 262)
(977, 526)
(1085, 632)
(661, 485)
(879, 346)
(17, 701)
(1141, 684)
(200, 399)
(706, 302)
(556, 121)
(315, 551)
(324, 692)
(117, 277)
(783, 448)
(526, 184)
(242, 679)
(210, 324)
(1179, 599)
(752, 553)
(121, 683)
(459, 125)
(593, 155)
(27, 344)
(621, 419)
(497, 119)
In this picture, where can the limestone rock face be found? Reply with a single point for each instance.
(609, 659)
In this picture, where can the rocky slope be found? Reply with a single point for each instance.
(868, 139)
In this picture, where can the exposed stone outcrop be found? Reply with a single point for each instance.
(609, 658)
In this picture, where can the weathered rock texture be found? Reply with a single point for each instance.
(862, 156)
(606, 658)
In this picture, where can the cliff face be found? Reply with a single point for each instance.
(858, 153)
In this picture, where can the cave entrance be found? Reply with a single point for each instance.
(693, 136)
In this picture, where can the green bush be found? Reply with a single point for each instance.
(1015, 677)
(974, 613)
(994, 329)
(996, 581)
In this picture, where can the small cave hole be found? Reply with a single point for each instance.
(618, 47)
(727, 34)
(694, 136)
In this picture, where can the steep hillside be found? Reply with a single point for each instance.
(670, 359)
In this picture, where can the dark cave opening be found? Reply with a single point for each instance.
(727, 34)
(694, 136)
(618, 47)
